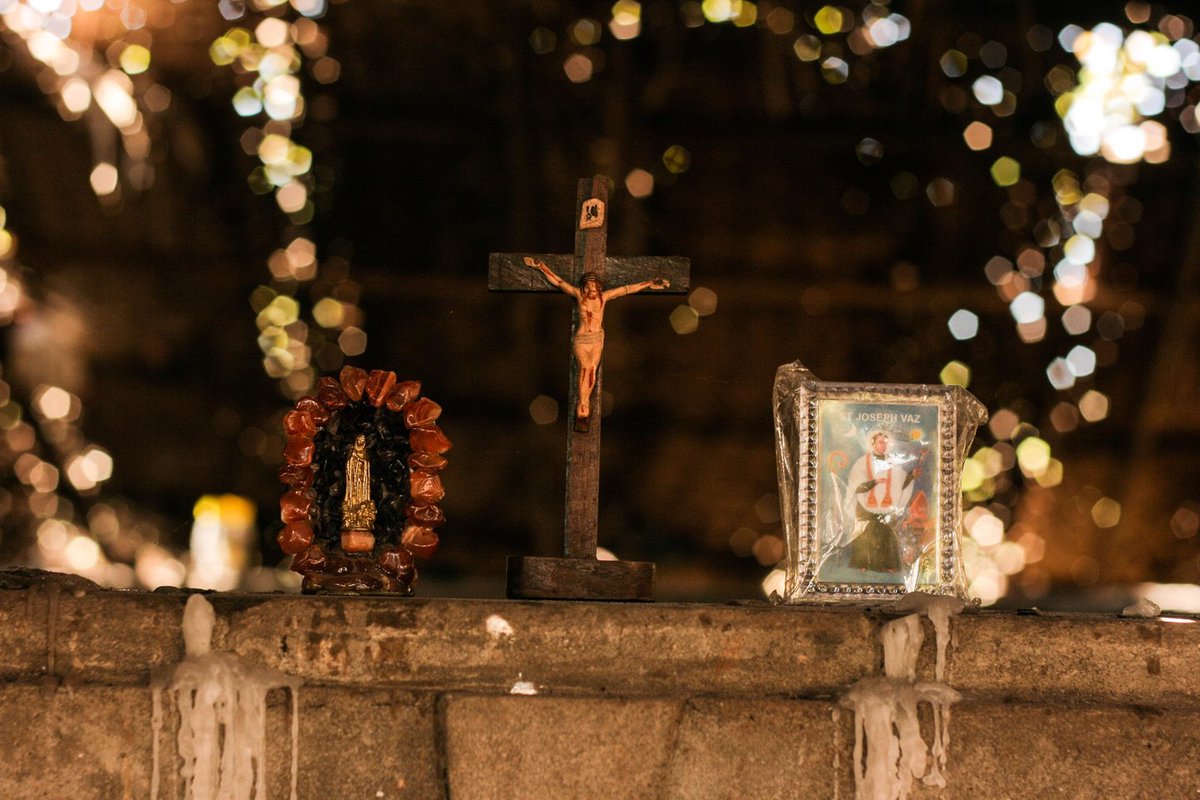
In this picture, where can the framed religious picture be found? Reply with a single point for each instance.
(870, 486)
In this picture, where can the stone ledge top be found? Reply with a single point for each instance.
(83, 635)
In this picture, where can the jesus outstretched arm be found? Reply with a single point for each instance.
(551, 277)
(634, 288)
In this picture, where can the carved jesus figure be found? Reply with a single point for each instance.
(588, 340)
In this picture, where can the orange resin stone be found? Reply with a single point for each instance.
(429, 516)
(426, 461)
(425, 488)
(295, 506)
(299, 423)
(379, 386)
(419, 541)
(296, 476)
(397, 561)
(429, 440)
(353, 381)
(298, 452)
(402, 394)
(295, 538)
(330, 394)
(312, 559)
(318, 412)
(420, 413)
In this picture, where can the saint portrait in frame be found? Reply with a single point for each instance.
(870, 479)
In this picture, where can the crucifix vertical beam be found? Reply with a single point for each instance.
(582, 515)
(578, 575)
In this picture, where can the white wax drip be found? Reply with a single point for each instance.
(889, 752)
(837, 753)
(902, 639)
(222, 704)
(939, 609)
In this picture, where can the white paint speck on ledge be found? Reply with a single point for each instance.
(497, 627)
(523, 686)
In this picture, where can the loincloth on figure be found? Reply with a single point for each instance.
(586, 338)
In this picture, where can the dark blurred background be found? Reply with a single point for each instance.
(884, 192)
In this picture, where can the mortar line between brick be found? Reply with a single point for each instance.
(440, 744)
(668, 769)
(51, 625)
(1055, 699)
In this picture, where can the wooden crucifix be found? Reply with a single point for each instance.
(579, 575)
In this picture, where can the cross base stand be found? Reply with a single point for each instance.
(542, 578)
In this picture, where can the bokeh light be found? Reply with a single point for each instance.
(978, 136)
(1121, 82)
(684, 320)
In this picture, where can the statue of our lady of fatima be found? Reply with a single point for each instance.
(358, 512)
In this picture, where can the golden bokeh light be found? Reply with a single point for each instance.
(746, 14)
(780, 20)
(1033, 456)
(835, 70)
(953, 63)
(1077, 320)
(1003, 423)
(940, 192)
(104, 179)
(1006, 171)
(978, 136)
(684, 320)
(829, 20)
(353, 341)
(719, 10)
(677, 159)
(639, 183)
(1064, 417)
(703, 301)
(1093, 406)
(543, 41)
(626, 20)
(135, 59)
(329, 313)
(578, 68)
(955, 373)
(1053, 475)
(807, 47)
(585, 32)
(1106, 512)
(543, 410)
(52, 402)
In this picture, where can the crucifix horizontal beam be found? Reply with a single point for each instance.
(507, 272)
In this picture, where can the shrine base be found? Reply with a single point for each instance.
(540, 578)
